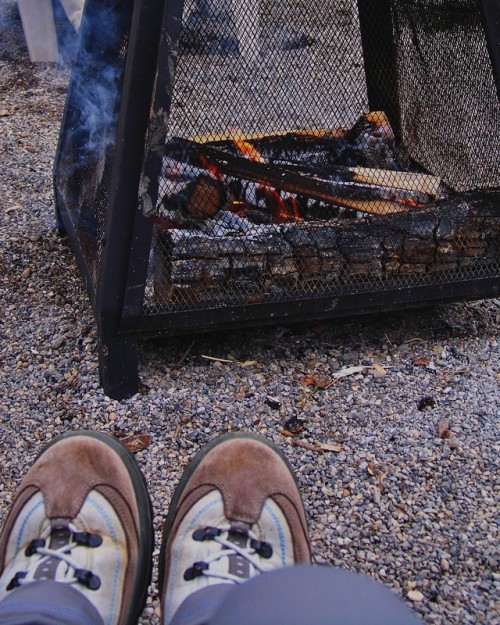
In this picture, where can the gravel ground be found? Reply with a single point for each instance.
(394, 500)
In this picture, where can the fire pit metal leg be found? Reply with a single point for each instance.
(118, 366)
(117, 350)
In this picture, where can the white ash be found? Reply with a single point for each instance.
(415, 511)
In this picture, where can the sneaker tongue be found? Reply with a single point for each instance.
(47, 570)
(239, 566)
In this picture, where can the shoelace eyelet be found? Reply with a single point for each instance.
(206, 533)
(35, 544)
(87, 578)
(263, 549)
(86, 539)
(195, 571)
(14, 582)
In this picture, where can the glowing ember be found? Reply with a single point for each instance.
(284, 210)
(211, 168)
(411, 202)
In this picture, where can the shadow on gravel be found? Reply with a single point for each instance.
(438, 323)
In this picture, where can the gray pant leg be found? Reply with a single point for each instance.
(199, 608)
(297, 595)
(47, 603)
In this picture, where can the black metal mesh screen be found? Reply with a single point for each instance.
(449, 105)
(282, 176)
(86, 144)
(252, 66)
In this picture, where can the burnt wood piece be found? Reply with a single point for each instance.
(204, 196)
(306, 135)
(310, 256)
(399, 185)
(351, 154)
(318, 148)
(369, 143)
(369, 198)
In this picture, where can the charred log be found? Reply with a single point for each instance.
(313, 256)
(358, 189)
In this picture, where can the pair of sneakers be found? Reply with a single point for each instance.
(82, 516)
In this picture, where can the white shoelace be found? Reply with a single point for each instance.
(45, 553)
(231, 549)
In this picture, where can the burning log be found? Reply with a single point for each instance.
(351, 193)
(403, 180)
(204, 196)
(241, 216)
(317, 165)
(369, 144)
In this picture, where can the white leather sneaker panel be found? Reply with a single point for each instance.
(209, 511)
(108, 561)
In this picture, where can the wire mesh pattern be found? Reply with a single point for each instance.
(279, 182)
(450, 109)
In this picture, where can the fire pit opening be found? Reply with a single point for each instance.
(224, 163)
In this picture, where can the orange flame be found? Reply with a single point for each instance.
(284, 210)
(411, 202)
(211, 168)
(248, 150)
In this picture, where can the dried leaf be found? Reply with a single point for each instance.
(379, 368)
(444, 429)
(399, 508)
(318, 381)
(348, 371)
(286, 433)
(137, 442)
(247, 363)
(25, 274)
(323, 382)
(13, 209)
(315, 448)
(421, 361)
(307, 380)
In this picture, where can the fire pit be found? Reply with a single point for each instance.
(231, 162)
